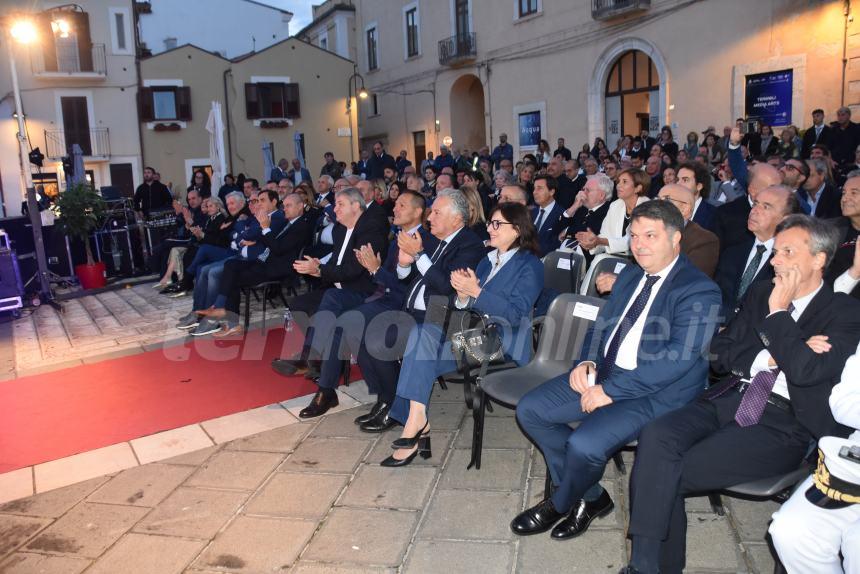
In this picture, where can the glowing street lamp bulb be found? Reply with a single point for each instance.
(362, 93)
(23, 31)
(60, 28)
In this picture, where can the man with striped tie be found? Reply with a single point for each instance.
(782, 354)
(643, 356)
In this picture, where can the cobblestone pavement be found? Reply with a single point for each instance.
(311, 497)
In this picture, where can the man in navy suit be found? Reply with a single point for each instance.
(781, 356)
(695, 177)
(299, 174)
(644, 356)
(744, 263)
(817, 134)
(426, 273)
(818, 196)
(546, 214)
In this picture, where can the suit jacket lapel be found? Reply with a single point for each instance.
(821, 300)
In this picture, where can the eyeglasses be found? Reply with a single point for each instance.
(675, 201)
(792, 167)
(253, 200)
(496, 223)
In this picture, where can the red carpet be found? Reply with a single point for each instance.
(51, 416)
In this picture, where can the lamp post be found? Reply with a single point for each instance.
(353, 89)
(23, 32)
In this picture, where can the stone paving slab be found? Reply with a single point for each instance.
(193, 513)
(297, 495)
(142, 554)
(380, 487)
(28, 563)
(336, 455)
(471, 515)
(459, 557)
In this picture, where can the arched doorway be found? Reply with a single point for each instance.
(468, 126)
(632, 86)
(607, 92)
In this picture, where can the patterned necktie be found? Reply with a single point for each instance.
(417, 287)
(627, 322)
(755, 397)
(539, 220)
(750, 272)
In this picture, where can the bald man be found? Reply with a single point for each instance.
(700, 246)
(730, 219)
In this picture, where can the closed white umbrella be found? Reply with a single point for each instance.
(79, 174)
(297, 138)
(215, 127)
(268, 159)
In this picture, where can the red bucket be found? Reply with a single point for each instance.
(91, 276)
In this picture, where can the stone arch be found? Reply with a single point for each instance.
(468, 120)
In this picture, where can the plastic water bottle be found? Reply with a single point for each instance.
(288, 320)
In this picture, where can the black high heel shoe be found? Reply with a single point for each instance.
(409, 442)
(423, 449)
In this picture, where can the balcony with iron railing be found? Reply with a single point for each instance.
(457, 49)
(66, 60)
(94, 142)
(606, 9)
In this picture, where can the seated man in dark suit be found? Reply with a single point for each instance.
(389, 297)
(844, 271)
(783, 354)
(346, 284)
(587, 212)
(695, 177)
(374, 212)
(275, 262)
(744, 263)
(730, 219)
(427, 276)
(643, 356)
(818, 195)
(546, 213)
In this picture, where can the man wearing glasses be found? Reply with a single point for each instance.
(794, 174)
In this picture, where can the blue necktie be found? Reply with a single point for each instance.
(627, 322)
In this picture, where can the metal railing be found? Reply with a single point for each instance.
(67, 60)
(605, 9)
(457, 49)
(94, 142)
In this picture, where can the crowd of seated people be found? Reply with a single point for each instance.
(718, 346)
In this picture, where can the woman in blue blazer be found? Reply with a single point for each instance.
(505, 286)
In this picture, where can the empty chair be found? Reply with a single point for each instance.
(563, 271)
(563, 331)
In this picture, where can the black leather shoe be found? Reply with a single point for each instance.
(628, 570)
(423, 450)
(581, 516)
(320, 405)
(172, 288)
(537, 519)
(374, 410)
(380, 423)
(288, 367)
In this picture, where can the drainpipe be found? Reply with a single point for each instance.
(139, 87)
(846, 12)
(227, 116)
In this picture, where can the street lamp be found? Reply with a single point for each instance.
(352, 87)
(23, 32)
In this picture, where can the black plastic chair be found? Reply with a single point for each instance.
(270, 290)
(563, 332)
(602, 264)
(563, 271)
(777, 488)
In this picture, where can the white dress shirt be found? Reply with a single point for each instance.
(423, 263)
(497, 261)
(546, 210)
(629, 348)
(760, 363)
(845, 283)
(845, 397)
(768, 249)
(343, 247)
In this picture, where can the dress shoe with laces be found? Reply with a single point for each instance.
(320, 405)
(380, 423)
(581, 516)
(374, 410)
(537, 519)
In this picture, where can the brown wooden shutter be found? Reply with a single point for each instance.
(252, 102)
(291, 100)
(145, 105)
(183, 103)
(46, 39)
(80, 24)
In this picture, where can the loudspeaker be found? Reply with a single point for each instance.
(11, 287)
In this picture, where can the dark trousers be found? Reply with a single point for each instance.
(379, 355)
(700, 448)
(354, 327)
(577, 458)
(239, 273)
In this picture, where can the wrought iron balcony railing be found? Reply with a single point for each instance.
(94, 142)
(606, 9)
(69, 61)
(457, 49)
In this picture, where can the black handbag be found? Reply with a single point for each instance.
(477, 344)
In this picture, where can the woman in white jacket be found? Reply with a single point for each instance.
(632, 189)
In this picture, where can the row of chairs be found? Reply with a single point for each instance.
(564, 271)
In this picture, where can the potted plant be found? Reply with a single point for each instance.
(81, 210)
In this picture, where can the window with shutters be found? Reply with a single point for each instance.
(271, 100)
(371, 44)
(165, 103)
(411, 30)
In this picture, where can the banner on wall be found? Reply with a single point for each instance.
(530, 129)
(768, 97)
